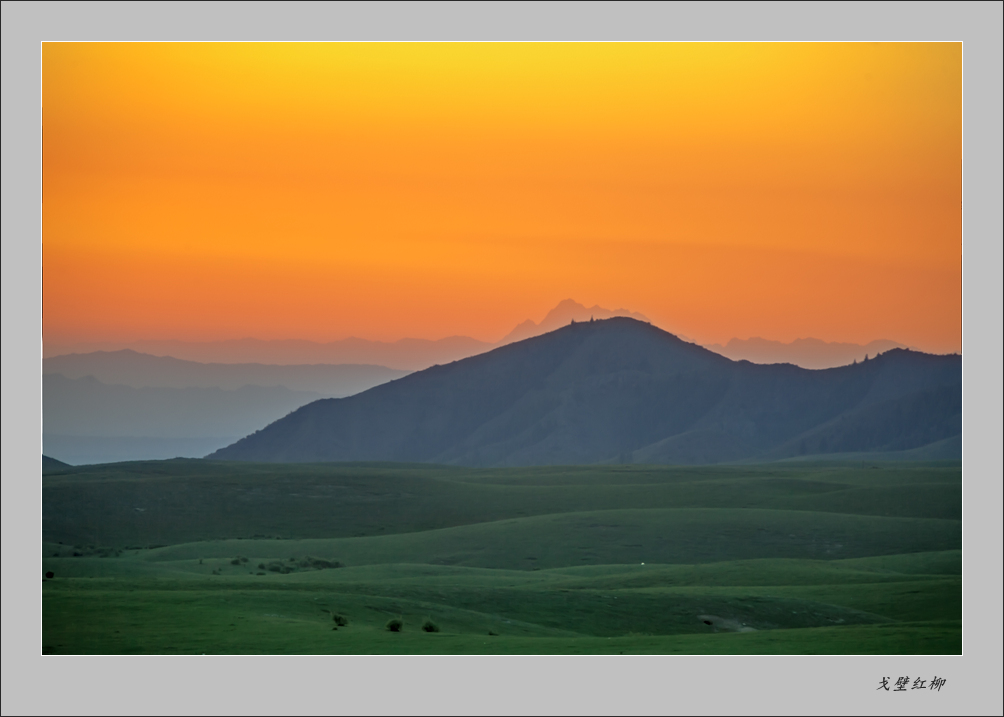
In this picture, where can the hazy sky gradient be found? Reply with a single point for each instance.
(319, 191)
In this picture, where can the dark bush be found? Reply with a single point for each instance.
(261, 566)
(278, 567)
(318, 563)
(235, 561)
(340, 620)
(395, 624)
(50, 575)
(430, 626)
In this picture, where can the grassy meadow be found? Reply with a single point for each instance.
(192, 557)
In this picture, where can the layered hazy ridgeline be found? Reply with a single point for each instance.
(102, 407)
(622, 391)
(165, 399)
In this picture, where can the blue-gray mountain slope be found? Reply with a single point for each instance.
(621, 390)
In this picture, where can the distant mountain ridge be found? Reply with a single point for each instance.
(807, 353)
(563, 314)
(88, 421)
(417, 354)
(131, 368)
(88, 407)
(620, 390)
(402, 355)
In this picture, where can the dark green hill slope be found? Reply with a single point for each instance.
(621, 390)
(52, 464)
(183, 501)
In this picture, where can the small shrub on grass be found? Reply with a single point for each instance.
(340, 620)
(261, 566)
(318, 563)
(235, 561)
(430, 626)
(395, 625)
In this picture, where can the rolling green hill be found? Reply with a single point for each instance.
(181, 501)
(193, 556)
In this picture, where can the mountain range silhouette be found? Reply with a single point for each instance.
(620, 390)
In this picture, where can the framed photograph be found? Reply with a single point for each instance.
(489, 352)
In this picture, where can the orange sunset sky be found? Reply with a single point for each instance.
(320, 191)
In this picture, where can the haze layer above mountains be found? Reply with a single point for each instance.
(122, 405)
(621, 390)
(417, 354)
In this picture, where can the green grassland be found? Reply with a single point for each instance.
(209, 557)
